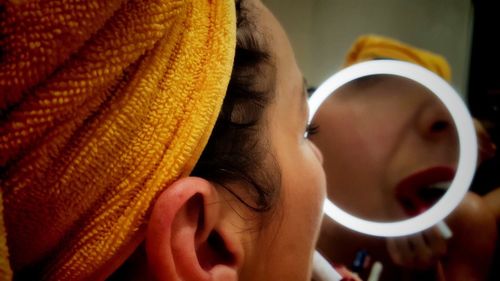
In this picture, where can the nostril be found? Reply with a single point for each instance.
(434, 122)
(439, 126)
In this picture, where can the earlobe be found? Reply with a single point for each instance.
(188, 237)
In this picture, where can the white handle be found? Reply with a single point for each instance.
(322, 270)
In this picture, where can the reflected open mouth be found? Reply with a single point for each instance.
(420, 190)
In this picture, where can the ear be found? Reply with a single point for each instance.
(189, 236)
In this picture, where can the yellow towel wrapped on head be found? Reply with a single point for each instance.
(370, 47)
(103, 105)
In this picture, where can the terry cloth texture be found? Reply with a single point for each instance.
(103, 104)
(370, 47)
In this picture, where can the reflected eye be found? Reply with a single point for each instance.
(311, 129)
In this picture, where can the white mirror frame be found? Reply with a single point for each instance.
(466, 136)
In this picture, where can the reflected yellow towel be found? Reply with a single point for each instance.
(369, 47)
(103, 104)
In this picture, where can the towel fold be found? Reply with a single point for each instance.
(103, 104)
(370, 47)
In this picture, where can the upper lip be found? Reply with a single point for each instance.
(418, 191)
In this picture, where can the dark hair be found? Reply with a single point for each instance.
(237, 150)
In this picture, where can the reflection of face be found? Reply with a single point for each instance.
(283, 249)
(387, 143)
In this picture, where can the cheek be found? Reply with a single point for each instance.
(317, 152)
(303, 184)
(294, 233)
(307, 185)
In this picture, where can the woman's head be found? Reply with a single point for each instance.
(258, 150)
(252, 203)
(258, 187)
(103, 105)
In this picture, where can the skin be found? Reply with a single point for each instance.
(278, 254)
(408, 141)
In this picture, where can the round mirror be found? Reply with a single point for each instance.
(389, 145)
(399, 147)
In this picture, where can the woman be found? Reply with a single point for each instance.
(106, 109)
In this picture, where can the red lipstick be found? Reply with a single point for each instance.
(420, 190)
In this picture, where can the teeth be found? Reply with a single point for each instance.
(441, 185)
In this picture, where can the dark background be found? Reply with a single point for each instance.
(484, 95)
(484, 84)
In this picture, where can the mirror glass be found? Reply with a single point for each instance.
(390, 147)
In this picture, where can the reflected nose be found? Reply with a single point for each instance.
(435, 123)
